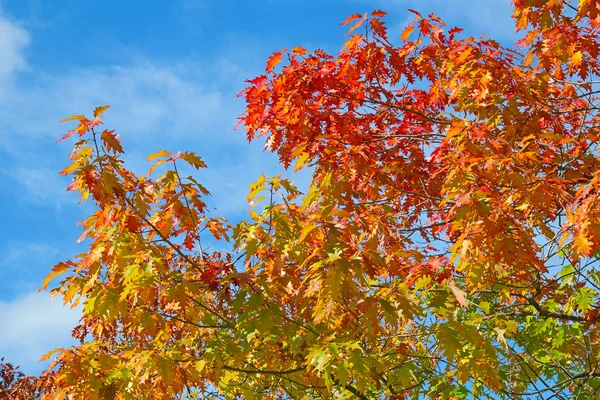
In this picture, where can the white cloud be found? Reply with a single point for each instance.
(17, 250)
(23, 264)
(152, 107)
(42, 185)
(13, 40)
(32, 325)
(145, 99)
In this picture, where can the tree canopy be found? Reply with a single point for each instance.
(447, 246)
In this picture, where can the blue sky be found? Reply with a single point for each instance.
(170, 71)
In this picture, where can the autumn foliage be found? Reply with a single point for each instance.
(15, 385)
(447, 246)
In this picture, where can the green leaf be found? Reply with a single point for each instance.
(449, 342)
(318, 359)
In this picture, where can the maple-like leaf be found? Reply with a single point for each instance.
(57, 270)
(111, 141)
(274, 59)
(98, 111)
(582, 245)
(193, 160)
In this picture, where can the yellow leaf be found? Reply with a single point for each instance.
(50, 354)
(73, 118)
(193, 160)
(485, 306)
(301, 162)
(464, 248)
(58, 269)
(160, 153)
(456, 128)
(582, 245)
(99, 110)
(576, 58)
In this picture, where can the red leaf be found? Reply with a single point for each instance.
(418, 14)
(132, 223)
(437, 19)
(188, 243)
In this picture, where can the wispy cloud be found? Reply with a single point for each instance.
(13, 40)
(146, 99)
(186, 105)
(32, 325)
(21, 264)
(42, 185)
(15, 250)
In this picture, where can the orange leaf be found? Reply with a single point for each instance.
(582, 245)
(50, 354)
(299, 50)
(57, 270)
(357, 24)
(406, 32)
(274, 59)
(350, 19)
